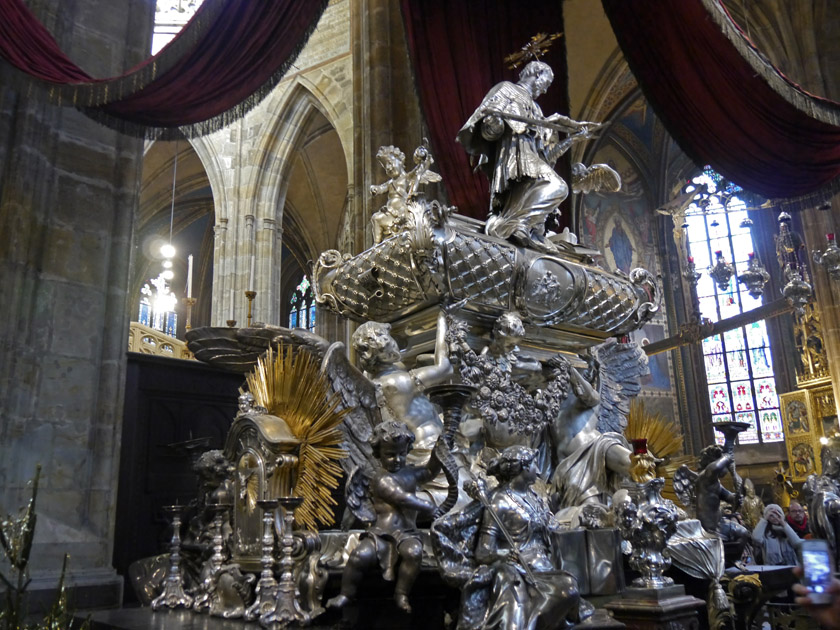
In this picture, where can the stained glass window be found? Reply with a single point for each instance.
(302, 306)
(157, 306)
(739, 364)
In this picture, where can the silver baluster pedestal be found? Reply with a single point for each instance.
(207, 589)
(173, 594)
(647, 522)
(267, 585)
(287, 609)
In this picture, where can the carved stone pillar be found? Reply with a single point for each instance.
(268, 245)
(219, 314)
(68, 199)
(380, 66)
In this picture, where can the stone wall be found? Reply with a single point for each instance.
(67, 199)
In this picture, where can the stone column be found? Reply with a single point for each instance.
(380, 67)
(220, 296)
(268, 244)
(68, 198)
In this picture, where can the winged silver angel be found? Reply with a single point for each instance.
(703, 492)
(402, 188)
(587, 428)
(382, 390)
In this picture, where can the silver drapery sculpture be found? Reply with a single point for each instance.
(698, 545)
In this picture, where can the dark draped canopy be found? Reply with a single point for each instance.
(224, 61)
(715, 93)
(724, 104)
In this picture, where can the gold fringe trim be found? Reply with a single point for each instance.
(818, 108)
(806, 202)
(821, 109)
(89, 98)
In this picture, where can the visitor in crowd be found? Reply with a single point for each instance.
(828, 616)
(798, 519)
(776, 539)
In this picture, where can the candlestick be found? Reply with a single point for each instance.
(190, 302)
(250, 295)
(173, 594)
(189, 275)
(231, 320)
(251, 277)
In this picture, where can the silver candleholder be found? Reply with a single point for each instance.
(287, 609)
(267, 586)
(205, 599)
(173, 594)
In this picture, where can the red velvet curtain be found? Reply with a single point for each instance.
(717, 101)
(457, 49)
(229, 56)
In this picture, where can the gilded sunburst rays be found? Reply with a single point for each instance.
(664, 440)
(290, 385)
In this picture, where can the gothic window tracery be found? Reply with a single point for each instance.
(738, 363)
(302, 306)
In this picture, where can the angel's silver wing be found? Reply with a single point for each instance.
(597, 178)
(358, 395)
(428, 177)
(357, 494)
(620, 369)
(685, 480)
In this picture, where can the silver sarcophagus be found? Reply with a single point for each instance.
(446, 259)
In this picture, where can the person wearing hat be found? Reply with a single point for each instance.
(776, 539)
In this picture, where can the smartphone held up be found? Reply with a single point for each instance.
(817, 569)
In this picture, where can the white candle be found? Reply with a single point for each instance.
(232, 293)
(251, 279)
(189, 276)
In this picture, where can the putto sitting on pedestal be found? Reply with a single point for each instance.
(388, 500)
